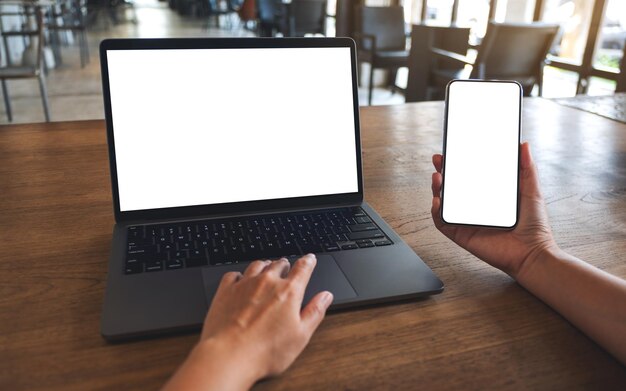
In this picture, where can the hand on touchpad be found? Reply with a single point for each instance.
(327, 276)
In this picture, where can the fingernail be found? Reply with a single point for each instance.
(327, 299)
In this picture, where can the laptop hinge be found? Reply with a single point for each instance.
(241, 214)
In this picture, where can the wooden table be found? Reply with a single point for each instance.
(484, 331)
(609, 106)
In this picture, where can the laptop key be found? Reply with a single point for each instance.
(310, 248)
(140, 249)
(365, 244)
(217, 260)
(363, 227)
(174, 264)
(195, 262)
(180, 254)
(134, 258)
(341, 229)
(153, 266)
(358, 212)
(167, 247)
(288, 247)
(185, 246)
(383, 243)
(349, 246)
(252, 252)
(366, 235)
(331, 247)
(133, 268)
(217, 252)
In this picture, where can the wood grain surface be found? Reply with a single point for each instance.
(483, 332)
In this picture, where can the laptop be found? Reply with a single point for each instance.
(223, 151)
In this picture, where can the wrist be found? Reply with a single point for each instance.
(537, 255)
(228, 360)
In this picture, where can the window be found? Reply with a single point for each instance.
(610, 46)
(600, 86)
(587, 52)
(474, 14)
(514, 11)
(559, 83)
(439, 12)
(574, 16)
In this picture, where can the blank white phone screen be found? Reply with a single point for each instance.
(210, 126)
(480, 184)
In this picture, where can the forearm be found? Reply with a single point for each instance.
(593, 300)
(212, 366)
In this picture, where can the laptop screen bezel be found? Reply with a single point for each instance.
(231, 207)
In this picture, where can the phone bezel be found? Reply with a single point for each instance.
(445, 138)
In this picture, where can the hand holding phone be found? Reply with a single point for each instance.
(482, 134)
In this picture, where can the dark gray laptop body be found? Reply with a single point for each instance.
(143, 304)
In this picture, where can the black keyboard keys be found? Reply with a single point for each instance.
(197, 258)
(363, 227)
(154, 265)
(383, 243)
(176, 263)
(215, 242)
(373, 234)
(195, 262)
(133, 267)
(364, 243)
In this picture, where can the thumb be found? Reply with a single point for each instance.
(313, 314)
(528, 174)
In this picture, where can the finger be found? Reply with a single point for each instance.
(255, 268)
(230, 278)
(280, 267)
(436, 184)
(435, 212)
(313, 314)
(302, 270)
(528, 175)
(526, 156)
(438, 161)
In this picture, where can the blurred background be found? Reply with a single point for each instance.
(568, 50)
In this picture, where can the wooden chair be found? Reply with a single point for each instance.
(508, 51)
(307, 17)
(32, 64)
(345, 15)
(381, 41)
(422, 63)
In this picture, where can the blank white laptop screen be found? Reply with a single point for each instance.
(210, 126)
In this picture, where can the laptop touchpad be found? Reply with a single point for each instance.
(327, 276)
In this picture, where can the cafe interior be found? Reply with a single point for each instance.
(484, 331)
(567, 50)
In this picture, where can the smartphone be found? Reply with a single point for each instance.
(481, 148)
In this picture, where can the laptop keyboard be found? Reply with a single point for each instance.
(225, 241)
